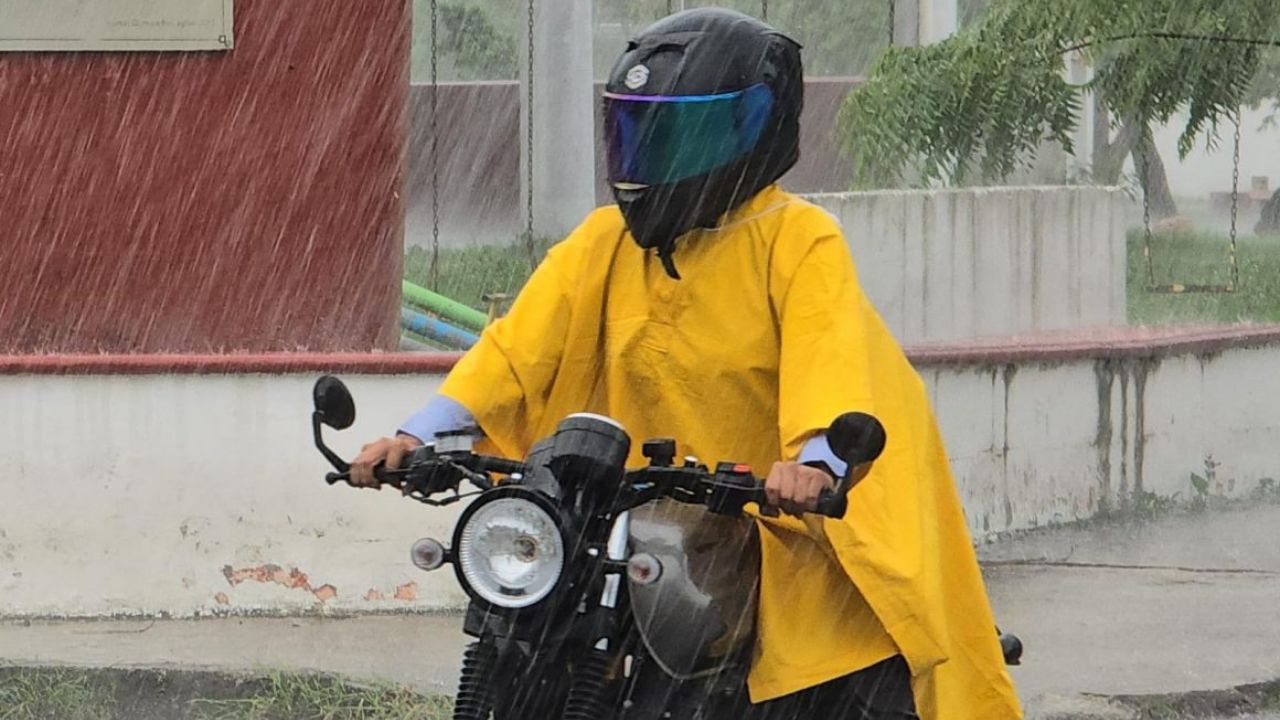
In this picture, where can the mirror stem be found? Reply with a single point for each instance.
(337, 462)
(852, 476)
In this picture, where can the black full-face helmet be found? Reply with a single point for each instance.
(701, 112)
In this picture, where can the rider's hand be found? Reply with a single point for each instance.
(389, 451)
(795, 488)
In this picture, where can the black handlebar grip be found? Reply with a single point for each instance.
(383, 475)
(380, 473)
(831, 504)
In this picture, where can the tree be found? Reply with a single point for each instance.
(979, 105)
(841, 37)
(472, 45)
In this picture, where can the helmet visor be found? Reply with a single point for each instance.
(661, 139)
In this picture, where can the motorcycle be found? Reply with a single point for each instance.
(597, 592)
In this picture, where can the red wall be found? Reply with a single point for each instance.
(246, 200)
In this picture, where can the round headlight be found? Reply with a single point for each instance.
(510, 552)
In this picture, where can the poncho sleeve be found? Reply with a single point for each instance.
(823, 363)
(504, 379)
(903, 542)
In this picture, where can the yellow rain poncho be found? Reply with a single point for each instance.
(765, 340)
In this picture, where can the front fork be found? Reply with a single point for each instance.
(477, 689)
(588, 699)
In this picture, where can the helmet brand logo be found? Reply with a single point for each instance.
(637, 77)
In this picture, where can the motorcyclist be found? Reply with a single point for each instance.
(710, 305)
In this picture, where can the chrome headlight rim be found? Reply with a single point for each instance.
(516, 492)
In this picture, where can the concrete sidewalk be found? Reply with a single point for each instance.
(1182, 604)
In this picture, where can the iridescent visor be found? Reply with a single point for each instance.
(660, 139)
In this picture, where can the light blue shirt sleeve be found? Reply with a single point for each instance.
(443, 414)
(817, 448)
(440, 414)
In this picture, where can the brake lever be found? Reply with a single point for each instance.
(425, 499)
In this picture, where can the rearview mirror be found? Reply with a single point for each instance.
(856, 438)
(333, 402)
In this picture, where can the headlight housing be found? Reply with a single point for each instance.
(509, 549)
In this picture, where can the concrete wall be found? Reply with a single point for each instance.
(1055, 431)
(200, 493)
(949, 264)
(147, 494)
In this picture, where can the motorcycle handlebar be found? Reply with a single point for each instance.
(380, 473)
(830, 503)
(502, 466)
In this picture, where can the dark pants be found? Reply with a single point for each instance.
(880, 692)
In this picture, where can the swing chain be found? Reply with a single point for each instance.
(1235, 206)
(764, 9)
(893, 20)
(1146, 210)
(435, 148)
(528, 229)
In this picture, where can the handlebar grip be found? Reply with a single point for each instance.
(831, 504)
(380, 473)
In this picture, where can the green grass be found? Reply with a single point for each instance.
(73, 694)
(285, 697)
(55, 693)
(1201, 258)
(466, 274)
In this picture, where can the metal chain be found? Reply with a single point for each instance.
(764, 9)
(528, 229)
(1235, 207)
(670, 6)
(893, 20)
(435, 149)
(1146, 209)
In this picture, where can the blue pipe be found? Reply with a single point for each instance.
(437, 330)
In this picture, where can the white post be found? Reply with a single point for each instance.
(920, 22)
(939, 20)
(563, 177)
(1080, 72)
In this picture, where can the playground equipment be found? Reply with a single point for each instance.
(450, 323)
(448, 309)
(436, 330)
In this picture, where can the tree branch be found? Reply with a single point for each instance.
(1166, 35)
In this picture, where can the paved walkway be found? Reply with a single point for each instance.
(1182, 604)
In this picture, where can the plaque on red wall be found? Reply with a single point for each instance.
(27, 25)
